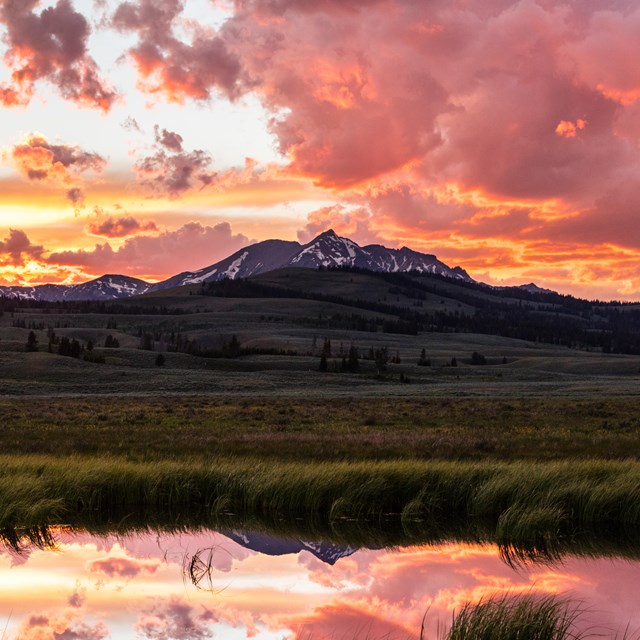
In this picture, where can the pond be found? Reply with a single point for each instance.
(234, 584)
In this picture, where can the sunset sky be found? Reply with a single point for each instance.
(154, 136)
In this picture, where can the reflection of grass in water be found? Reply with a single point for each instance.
(529, 509)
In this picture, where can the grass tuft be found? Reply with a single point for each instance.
(517, 618)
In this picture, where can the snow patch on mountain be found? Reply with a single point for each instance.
(233, 270)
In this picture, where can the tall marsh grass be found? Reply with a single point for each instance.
(522, 505)
(522, 618)
(528, 617)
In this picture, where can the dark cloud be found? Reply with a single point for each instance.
(175, 619)
(16, 248)
(170, 171)
(169, 66)
(111, 227)
(51, 46)
(78, 597)
(168, 139)
(76, 196)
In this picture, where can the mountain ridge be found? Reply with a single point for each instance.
(328, 249)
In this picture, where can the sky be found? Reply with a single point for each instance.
(135, 588)
(149, 137)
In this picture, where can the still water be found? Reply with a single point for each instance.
(252, 585)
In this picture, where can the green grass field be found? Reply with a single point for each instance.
(343, 428)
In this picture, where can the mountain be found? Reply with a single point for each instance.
(326, 250)
(534, 288)
(254, 259)
(107, 287)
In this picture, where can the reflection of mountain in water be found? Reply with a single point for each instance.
(273, 546)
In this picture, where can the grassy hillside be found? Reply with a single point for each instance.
(407, 336)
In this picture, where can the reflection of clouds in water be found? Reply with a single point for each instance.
(78, 597)
(175, 619)
(347, 577)
(437, 580)
(61, 625)
(122, 567)
(340, 620)
(136, 583)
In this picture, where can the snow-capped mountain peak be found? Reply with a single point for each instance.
(326, 250)
(107, 287)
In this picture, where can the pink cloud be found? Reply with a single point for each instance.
(168, 66)
(189, 247)
(51, 46)
(607, 40)
(444, 89)
(516, 101)
(568, 129)
(336, 89)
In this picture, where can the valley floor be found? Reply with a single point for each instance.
(351, 427)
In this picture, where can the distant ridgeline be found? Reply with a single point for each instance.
(514, 312)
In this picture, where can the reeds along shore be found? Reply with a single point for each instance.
(520, 502)
(528, 617)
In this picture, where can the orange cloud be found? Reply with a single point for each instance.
(568, 129)
(37, 159)
(58, 164)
